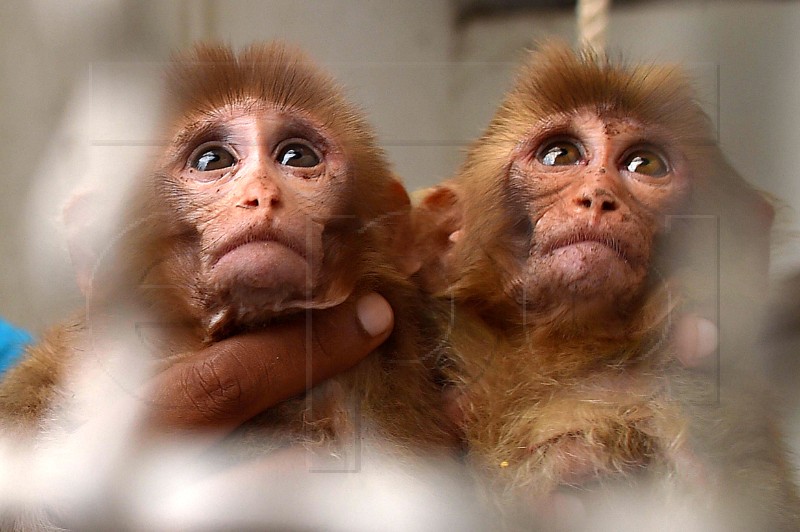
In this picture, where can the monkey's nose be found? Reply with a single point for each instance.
(253, 203)
(598, 200)
(257, 194)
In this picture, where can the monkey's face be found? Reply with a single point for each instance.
(591, 193)
(266, 195)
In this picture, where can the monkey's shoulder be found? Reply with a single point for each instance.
(29, 387)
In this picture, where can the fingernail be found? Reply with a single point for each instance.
(686, 341)
(568, 509)
(696, 339)
(707, 337)
(375, 314)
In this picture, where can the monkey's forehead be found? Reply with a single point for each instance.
(236, 108)
(556, 79)
(589, 116)
(296, 87)
(518, 128)
(340, 131)
(217, 118)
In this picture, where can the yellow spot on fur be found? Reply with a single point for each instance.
(504, 463)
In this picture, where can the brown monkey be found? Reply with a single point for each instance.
(270, 198)
(565, 242)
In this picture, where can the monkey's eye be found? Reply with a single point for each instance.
(559, 153)
(210, 158)
(298, 153)
(646, 162)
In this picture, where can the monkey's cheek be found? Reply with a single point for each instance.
(260, 268)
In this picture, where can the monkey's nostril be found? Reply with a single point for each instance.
(585, 202)
(609, 205)
(249, 204)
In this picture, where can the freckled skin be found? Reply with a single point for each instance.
(263, 227)
(594, 221)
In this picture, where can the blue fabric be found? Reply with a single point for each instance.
(12, 344)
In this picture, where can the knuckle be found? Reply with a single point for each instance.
(319, 351)
(213, 391)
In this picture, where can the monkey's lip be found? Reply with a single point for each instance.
(262, 237)
(265, 269)
(579, 239)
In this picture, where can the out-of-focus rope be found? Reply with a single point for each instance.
(593, 23)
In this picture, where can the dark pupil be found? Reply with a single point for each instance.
(291, 155)
(554, 155)
(207, 159)
(298, 155)
(638, 162)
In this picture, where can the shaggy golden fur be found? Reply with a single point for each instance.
(150, 274)
(550, 400)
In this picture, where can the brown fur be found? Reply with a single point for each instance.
(152, 273)
(552, 398)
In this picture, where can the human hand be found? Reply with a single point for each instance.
(695, 341)
(216, 389)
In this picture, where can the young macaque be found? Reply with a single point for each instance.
(569, 242)
(270, 198)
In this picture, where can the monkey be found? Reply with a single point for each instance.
(270, 198)
(779, 336)
(564, 247)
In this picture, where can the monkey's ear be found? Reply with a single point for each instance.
(79, 217)
(437, 220)
(401, 235)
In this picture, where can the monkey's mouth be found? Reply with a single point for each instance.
(589, 240)
(264, 264)
(264, 238)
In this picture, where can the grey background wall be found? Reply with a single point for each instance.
(78, 78)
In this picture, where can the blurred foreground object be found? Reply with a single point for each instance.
(268, 212)
(12, 344)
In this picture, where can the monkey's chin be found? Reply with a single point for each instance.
(585, 275)
(263, 275)
(591, 268)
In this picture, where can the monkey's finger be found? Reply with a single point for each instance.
(221, 386)
(455, 405)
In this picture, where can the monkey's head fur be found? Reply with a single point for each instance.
(211, 78)
(271, 195)
(560, 210)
